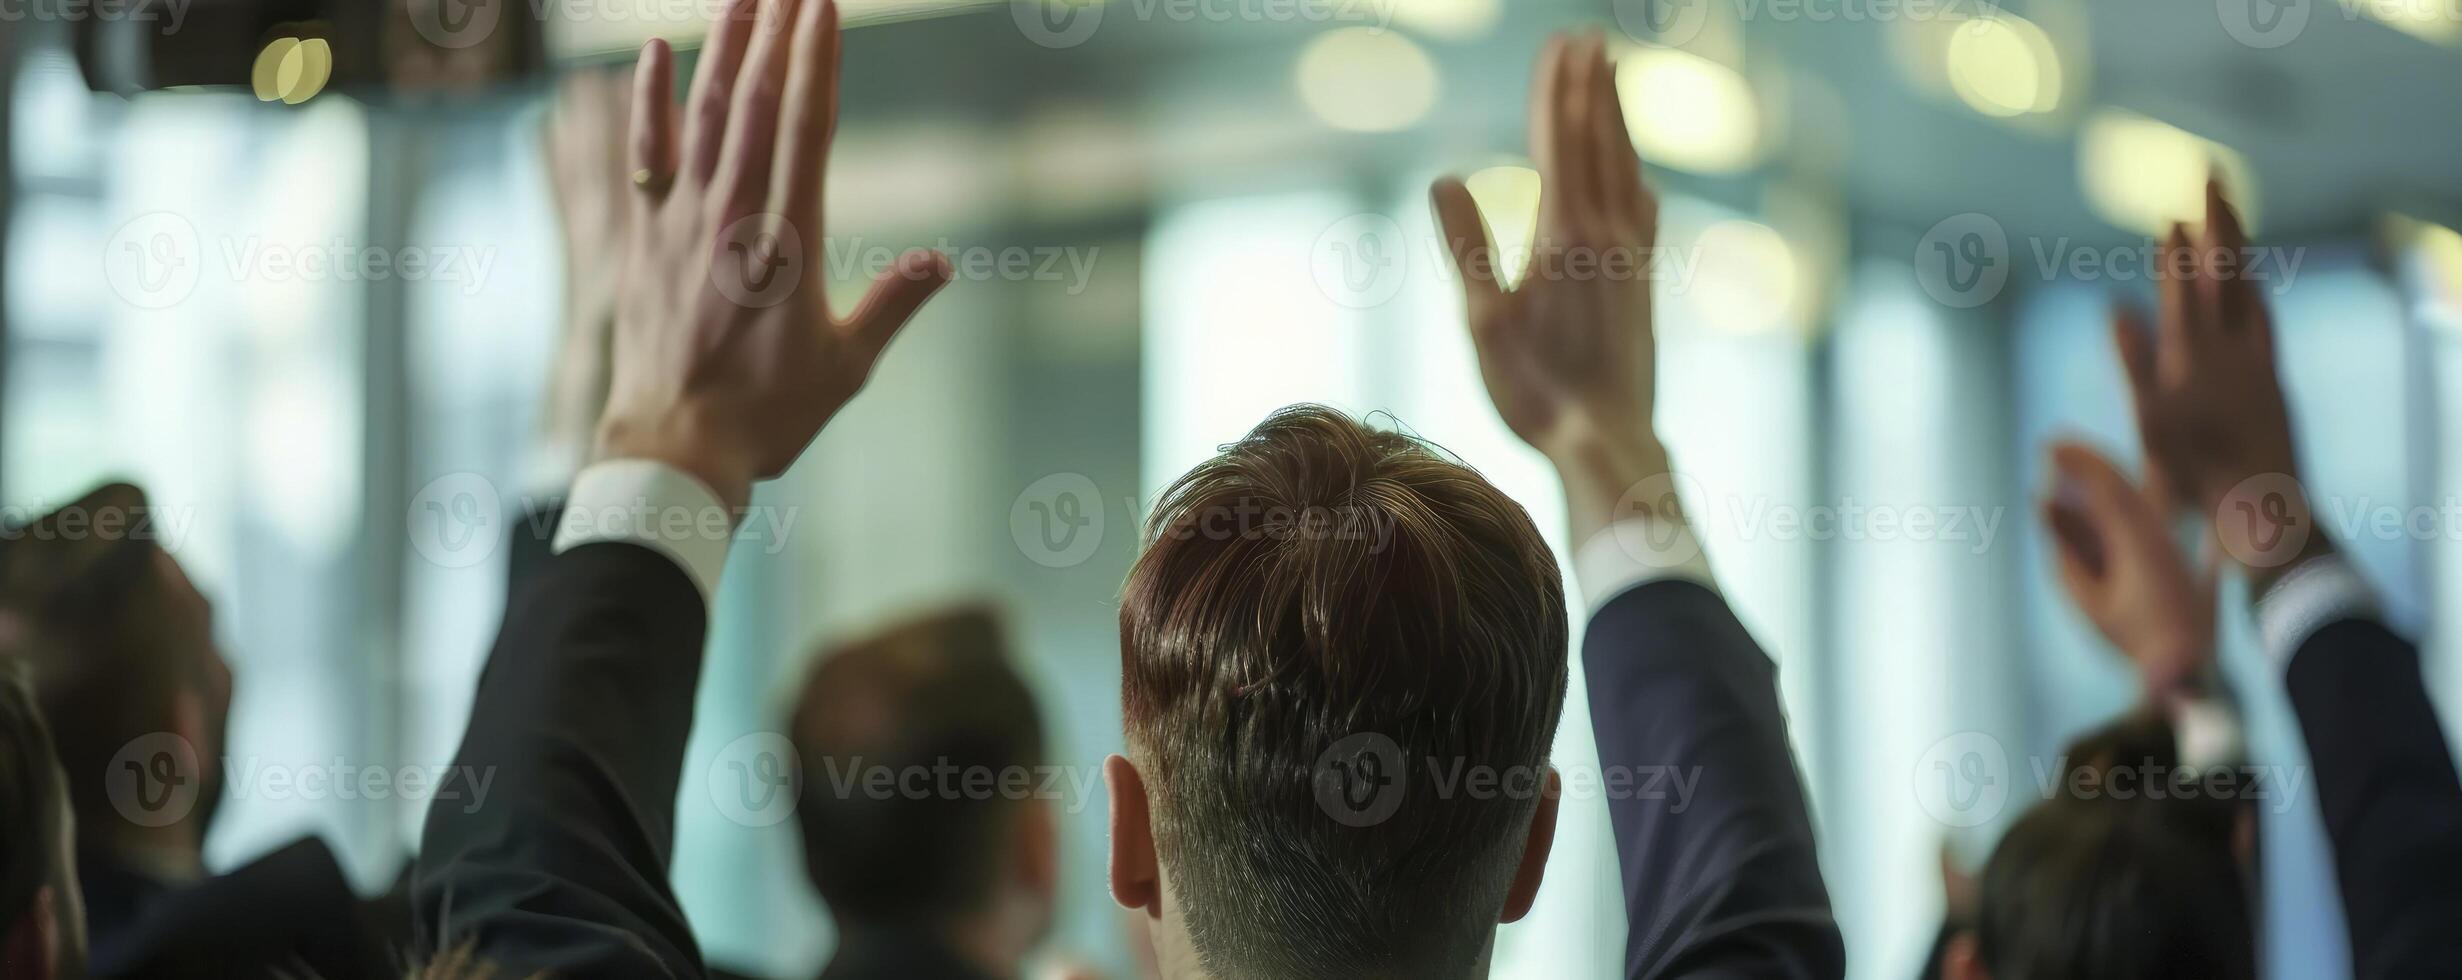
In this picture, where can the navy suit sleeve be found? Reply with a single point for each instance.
(1721, 877)
(2391, 800)
(547, 847)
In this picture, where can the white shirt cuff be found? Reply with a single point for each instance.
(1635, 552)
(2207, 732)
(2311, 596)
(653, 505)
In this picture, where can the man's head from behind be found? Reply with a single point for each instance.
(42, 923)
(120, 647)
(1329, 624)
(2117, 885)
(918, 807)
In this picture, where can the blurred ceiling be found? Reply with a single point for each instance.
(2342, 119)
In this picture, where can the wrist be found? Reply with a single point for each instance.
(2262, 577)
(675, 444)
(2267, 525)
(1611, 475)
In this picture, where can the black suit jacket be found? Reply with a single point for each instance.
(2392, 802)
(581, 715)
(291, 912)
(1727, 881)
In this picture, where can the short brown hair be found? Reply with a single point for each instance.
(937, 692)
(85, 586)
(1322, 593)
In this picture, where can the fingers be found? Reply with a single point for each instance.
(810, 117)
(2136, 348)
(1543, 119)
(750, 151)
(2218, 263)
(895, 297)
(653, 122)
(1473, 251)
(713, 84)
(2177, 304)
(2236, 301)
(1619, 163)
(1576, 157)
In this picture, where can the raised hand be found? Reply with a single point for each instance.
(2209, 404)
(2120, 565)
(1567, 354)
(590, 179)
(728, 360)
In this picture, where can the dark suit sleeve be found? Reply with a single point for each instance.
(547, 848)
(530, 542)
(2391, 800)
(1722, 879)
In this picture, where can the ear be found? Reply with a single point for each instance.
(32, 946)
(1963, 960)
(1136, 877)
(1525, 890)
(1038, 850)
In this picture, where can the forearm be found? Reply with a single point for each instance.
(1720, 869)
(578, 729)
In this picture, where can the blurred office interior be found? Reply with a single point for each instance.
(1221, 209)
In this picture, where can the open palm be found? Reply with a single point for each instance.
(1567, 353)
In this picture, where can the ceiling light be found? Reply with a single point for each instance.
(2004, 65)
(2427, 20)
(2143, 174)
(1367, 80)
(1454, 20)
(1688, 112)
(1744, 278)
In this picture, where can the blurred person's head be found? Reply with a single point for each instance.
(921, 808)
(42, 920)
(2105, 881)
(123, 661)
(1325, 619)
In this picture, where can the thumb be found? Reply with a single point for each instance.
(2077, 551)
(1466, 239)
(2111, 502)
(896, 295)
